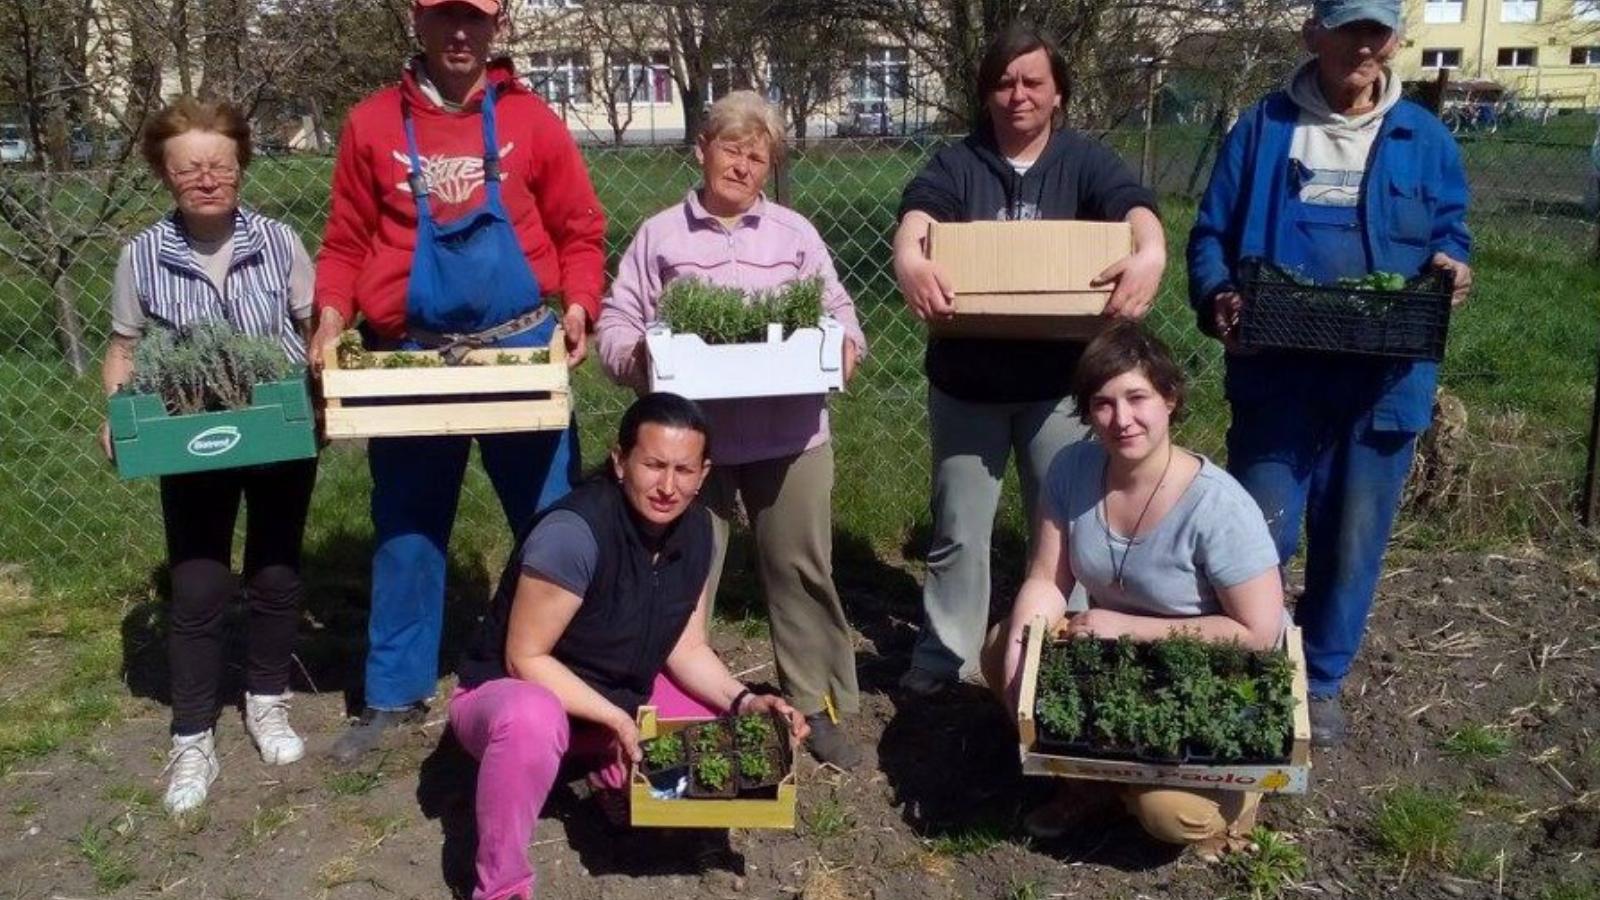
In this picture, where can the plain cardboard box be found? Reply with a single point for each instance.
(1027, 279)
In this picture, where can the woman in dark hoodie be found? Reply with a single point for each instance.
(988, 399)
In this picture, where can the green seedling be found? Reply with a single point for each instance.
(664, 752)
(1418, 827)
(208, 367)
(714, 771)
(755, 766)
(752, 731)
(1268, 873)
(1476, 742)
(709, 738)
(727, 315)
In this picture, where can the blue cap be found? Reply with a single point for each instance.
(1338, 13)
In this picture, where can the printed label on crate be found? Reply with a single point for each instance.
(214, 441)
(1269, 779)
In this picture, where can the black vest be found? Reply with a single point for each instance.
(634, 610)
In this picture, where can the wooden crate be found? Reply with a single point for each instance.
(465, 399)
(684, 812)
(1292, 777)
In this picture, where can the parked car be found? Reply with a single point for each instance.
(86, 150)
(14, 145)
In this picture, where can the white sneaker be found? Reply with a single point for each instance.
(266, 717)
(193, 764)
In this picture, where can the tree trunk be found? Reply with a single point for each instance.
(1213, 136)
(69, 322)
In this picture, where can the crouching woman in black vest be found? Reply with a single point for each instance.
(601, 609)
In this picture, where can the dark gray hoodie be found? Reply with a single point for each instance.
(1076, 177)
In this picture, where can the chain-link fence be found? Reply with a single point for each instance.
(1521, 354)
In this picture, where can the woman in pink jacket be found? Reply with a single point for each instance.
(772, 453)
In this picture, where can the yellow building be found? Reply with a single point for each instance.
(1548, 51)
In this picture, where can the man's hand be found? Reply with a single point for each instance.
(926, 289)
(575, 324)
(1136, 278)
(1462, 273)
(325, 338)
(1225, 309)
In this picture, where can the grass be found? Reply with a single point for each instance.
(113, 868)
(969, 840)
(1268, 873)
(1024, 889)
(1418, 827)
(1570, 890)
(1475, 743)
(827, 818)
(1479, 863)
(357, 782)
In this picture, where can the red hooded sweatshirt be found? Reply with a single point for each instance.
(365, 258)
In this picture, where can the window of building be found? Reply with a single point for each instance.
(560, 78)
(883, 74)
(1586, 56)
(1516, 57)
(1443, 12)
(648, 80)
(1519, 10)
(1441, 58)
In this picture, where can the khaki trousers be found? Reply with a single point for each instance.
(789, 503)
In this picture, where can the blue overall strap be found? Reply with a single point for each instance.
(414, 178)
(491, 146)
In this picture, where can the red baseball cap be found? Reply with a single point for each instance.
(487, 7)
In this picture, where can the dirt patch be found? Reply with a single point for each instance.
(1457, 642)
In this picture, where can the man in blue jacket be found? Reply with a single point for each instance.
(1334, 177)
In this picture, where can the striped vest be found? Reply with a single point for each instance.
(174, 291)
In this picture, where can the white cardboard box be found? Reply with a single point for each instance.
(809, 361)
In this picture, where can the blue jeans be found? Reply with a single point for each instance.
(416, 483)
(1303, 445)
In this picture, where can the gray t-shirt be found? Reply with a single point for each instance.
(1213, 537)
(562, 550)
(214, 257)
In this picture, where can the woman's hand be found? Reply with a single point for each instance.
(627, 734)
(575, 325)
(1136, 278)
(105, 442)
(757, 703)
(325, 338)
(1099, 623)
(1462, 273)
(926, 287)
(851, 355)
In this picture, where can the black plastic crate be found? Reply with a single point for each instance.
(1282, 314)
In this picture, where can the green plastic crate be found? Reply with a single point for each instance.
(278, 425)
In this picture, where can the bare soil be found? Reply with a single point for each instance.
(1455, 640)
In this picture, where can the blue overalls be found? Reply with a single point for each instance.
(1305, 443)
(466, 276)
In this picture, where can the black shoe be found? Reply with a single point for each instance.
(1327, 721)
(829, 744)
(365, 734)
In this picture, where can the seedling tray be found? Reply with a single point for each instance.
(277, 426)
(808, 361)
(485, 398)
(1281, 314)
(1290, 776)
(647, 811)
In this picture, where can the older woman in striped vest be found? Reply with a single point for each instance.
(209, 260)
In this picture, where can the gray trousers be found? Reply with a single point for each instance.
(972, 442)
(789, 502)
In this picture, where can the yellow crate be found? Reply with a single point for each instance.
(1292, 777)
(650, 812)
(465, 399)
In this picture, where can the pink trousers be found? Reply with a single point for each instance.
(519, 733)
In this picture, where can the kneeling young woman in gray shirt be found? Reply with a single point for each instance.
(1163, 541)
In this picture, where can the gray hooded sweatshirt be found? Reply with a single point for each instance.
(1333, 148)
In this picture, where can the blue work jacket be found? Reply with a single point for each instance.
(1413, 204)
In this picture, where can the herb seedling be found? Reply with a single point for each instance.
(714, 771)
(664, 752)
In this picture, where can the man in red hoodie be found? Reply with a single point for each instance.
(460, 203)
